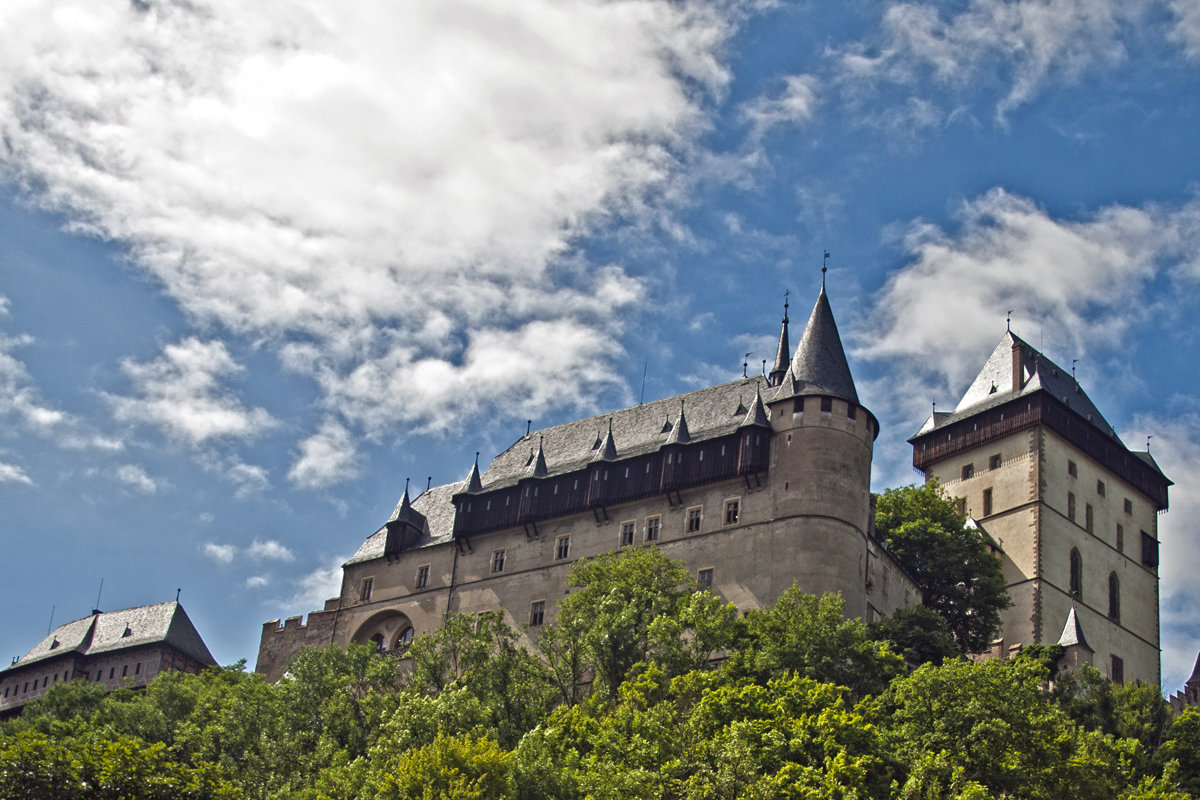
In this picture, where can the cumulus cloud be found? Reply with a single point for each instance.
(269, 549)
(1019, 45)
(221, 553)
(313, 589)
(181, 393)
(368, 191)
(258, 581)
(795, 104)
(1187, 26)
(135, 478)
(327, 457)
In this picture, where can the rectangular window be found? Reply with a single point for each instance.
(1149, 550)
(364, 593)
(1120, 538)
(537, 613)
(1087, 517)
(1072, 470)
(1128, 506)
(1101, 489)
(653, 524)
(705, 577)
(1071, 506)
(987, 502)
(851, 411)
(827, 405)
(137, 668)
(562, 547)
(994, 462)
(968, 471)
(627, 529)
(422, 576)
(111, 672)
(693, 519)
(732, 510)
(497, 561)
(124, 671)
(962, 506)
(1117, 673)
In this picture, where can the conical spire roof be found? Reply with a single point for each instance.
(819, 366)
(679, 434)
(1072, 634)
(405, 513)
(783, 353)
(537, 465)
(474, 483)
(607, 451)
(1195, 673)
(757, 415)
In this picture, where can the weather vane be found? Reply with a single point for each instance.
(824, 268)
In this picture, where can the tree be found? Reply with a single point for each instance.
(959, 578)
(919, 634)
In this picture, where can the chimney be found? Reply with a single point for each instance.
(1018, 366)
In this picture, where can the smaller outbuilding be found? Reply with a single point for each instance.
(114, 648)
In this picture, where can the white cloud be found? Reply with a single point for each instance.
(136, 478)
(383, 190)
(11, 473)
(258, 581)
(313, 589)
(269, 549)
(1187, 26)
(249, 478)
(1022, 45)
(180, 393)
(327, 457)
(222, 553)
(795, 104)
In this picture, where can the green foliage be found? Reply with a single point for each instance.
(918, 634)
(450, 768)
(959, 578)
(1180, 752)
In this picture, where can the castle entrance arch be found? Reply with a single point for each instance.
(387, 631)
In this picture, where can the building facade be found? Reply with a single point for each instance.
(754, 485)
(115, 649)
(1072, 509)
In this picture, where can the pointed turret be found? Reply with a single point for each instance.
(537, 465)
(757, 415)
(474, 483)
(782, 354)
(607, 451)
(679, 434)
(819, 366)
(404, 527)
(1078, 651)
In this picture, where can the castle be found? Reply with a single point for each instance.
(754, 485)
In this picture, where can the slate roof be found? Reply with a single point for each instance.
(1073, 632)
(119, 630)
(819, 366)
(993, 387)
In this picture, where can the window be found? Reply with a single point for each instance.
(1117, 672)
(1101, 489)
(627, 533)
(652, 527)
(1128, 506)
(1072, 470)
(1120, 538)
(404, 638)
(1114, 597)
(827, 405)
(1076, 583)
(732, 509)
(1087, 517)
(693, 519)
(497, 561)
(994, 461)
(562, 547)
(1071, 506)
(968, 471)
(537, 613)
(851, 411)
(137, 670)
(704, 578)
(378, 641)
(111, 672)
(422, 576)
(364, 593)
(987, 502)
(962, 506)
(1149, 550)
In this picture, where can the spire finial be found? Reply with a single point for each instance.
(406, 487)
(1148, 438)
(824, 269)
(1008, 321)
(746, 364)
(786, 294)
(1074, 361)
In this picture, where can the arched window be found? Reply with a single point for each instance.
(1114, 597)
(377, 640)
(1076, 583)
(404, 638)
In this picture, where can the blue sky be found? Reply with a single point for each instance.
(262, 264)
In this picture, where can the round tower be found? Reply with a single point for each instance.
(820, 468)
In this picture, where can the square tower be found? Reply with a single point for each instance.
(1072, 509)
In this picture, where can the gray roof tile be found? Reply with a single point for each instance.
(819, 366)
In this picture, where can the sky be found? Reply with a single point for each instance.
(261, 264)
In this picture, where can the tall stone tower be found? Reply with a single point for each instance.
(821, 460)
(1074, 511)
